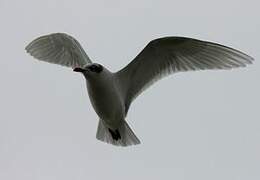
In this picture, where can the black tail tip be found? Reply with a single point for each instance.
(115, 134)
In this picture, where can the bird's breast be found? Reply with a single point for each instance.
(107, 103)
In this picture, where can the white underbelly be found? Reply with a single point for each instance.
(107, 105)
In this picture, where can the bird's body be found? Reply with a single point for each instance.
(111, 94)
(106, 99)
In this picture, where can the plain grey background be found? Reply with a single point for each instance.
(194, 125)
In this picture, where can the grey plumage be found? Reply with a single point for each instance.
(58, 48)
(169, 55)
(112, 93)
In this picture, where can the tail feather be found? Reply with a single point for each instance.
(127, 136)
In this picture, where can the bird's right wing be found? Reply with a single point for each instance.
(169, 55)
(58, 48)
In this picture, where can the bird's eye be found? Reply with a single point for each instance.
(96, 68)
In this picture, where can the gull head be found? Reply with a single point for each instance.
(93, 68)
(91, 71)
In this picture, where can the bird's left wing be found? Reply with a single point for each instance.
(174, 54)
(58, 48)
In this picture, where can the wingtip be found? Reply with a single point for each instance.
(27, 48)
(250, 59)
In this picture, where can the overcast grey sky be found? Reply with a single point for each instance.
(194, 125)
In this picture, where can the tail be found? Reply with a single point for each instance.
(123, 136)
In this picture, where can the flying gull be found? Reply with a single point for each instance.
(111, 93)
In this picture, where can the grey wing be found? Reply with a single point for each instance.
(168, 55)
(58, 48)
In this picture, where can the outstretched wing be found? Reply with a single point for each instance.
(175, 54)
(58, 48)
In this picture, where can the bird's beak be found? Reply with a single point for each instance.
(79, 70)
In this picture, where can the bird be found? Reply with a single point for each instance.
(111, 93)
